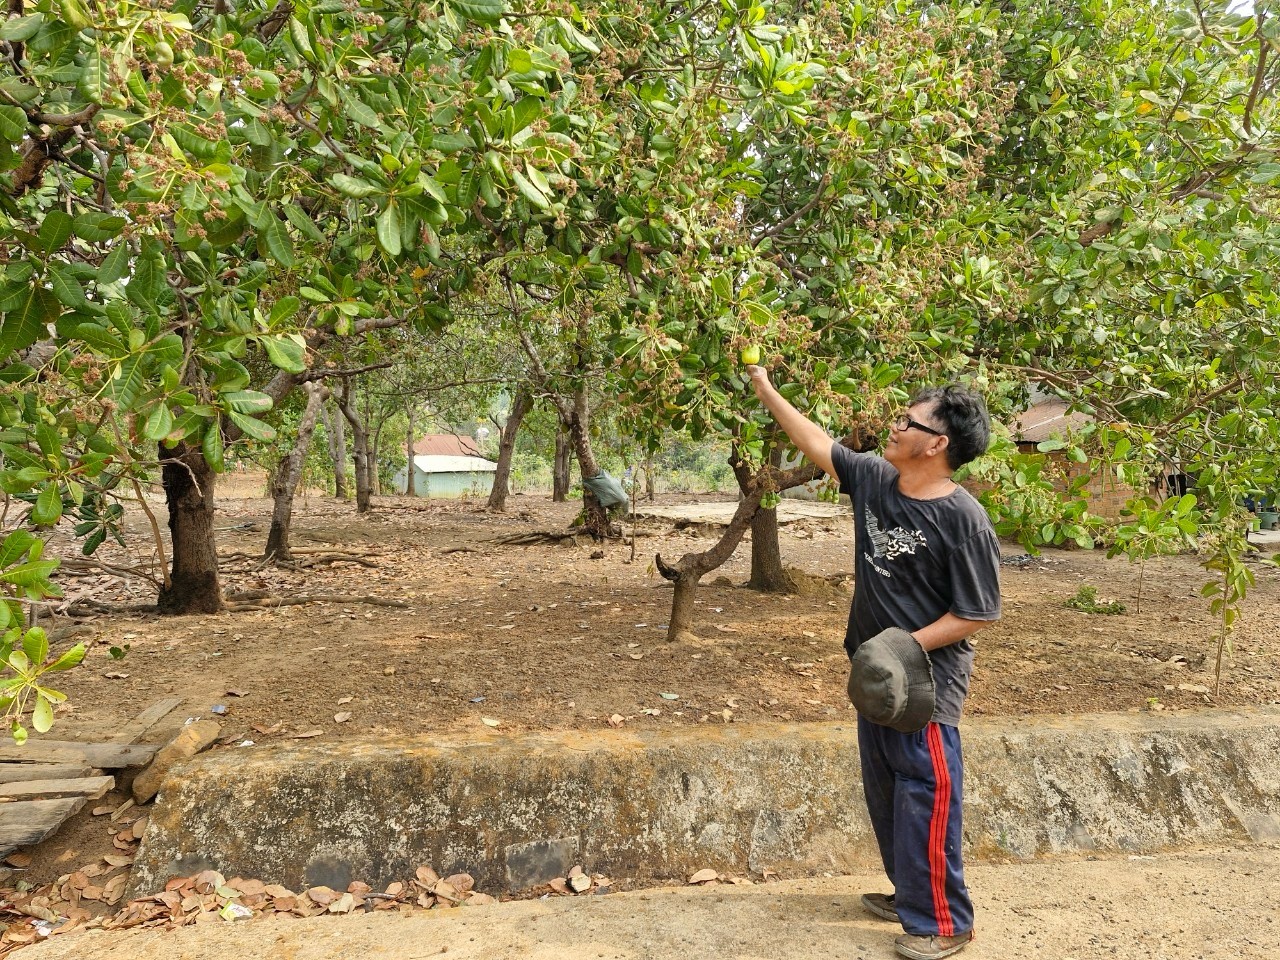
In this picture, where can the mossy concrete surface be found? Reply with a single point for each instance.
(515, 811)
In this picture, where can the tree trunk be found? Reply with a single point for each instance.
(188, 489)
(650, 482)
(520, 406)
(335, 433)
(360, 442)
(285, 482)
(560, 468)
(595, 517)
(767, 574)
(692, 567)
(410, 469)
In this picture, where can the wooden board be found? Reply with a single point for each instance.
(90, 788)
(104, 756)
(30, 821)
(22, 772)
(137, 728)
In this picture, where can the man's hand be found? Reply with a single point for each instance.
(809, 438)
(759, 380)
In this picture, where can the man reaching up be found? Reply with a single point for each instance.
(927, 562)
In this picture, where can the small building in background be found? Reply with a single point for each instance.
(1052, 419)
(446, 465)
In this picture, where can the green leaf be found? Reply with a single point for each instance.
(72, 658)
(273, 239)
(67, 287)
(247, 401)
(481, 11)
(13, 123)
(48, 507)
(15, 546)
(55, 230)
(283, 310)
(95, 79)
(127, 382)
(361, 113)
(21, 29)
(35, 644)
(298, 34)
(529, 191)
(354, 187)
(114, 264)
(97, 227)
(253, 428)
(286, 353)
(25, 325)
(42, 715)
(211, 447)
(160, 423)
(389, 230)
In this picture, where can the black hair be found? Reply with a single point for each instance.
(965, 421)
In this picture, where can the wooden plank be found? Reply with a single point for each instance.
(137, 728)
(29, 821)
(90, 788)
(104, 756)
(22, 772)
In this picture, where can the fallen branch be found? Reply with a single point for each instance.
(537, 537)
(90, 567)
(271, 603)
(81, 607)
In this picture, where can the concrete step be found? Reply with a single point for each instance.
(515, 811)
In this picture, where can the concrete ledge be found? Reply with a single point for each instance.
(516, 811)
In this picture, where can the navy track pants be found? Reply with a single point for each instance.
(913, 784)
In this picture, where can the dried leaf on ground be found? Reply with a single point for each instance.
(344, 904)
(323, 896)
(704, 876)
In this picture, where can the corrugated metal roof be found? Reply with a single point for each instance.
(446, 445)
(435, 464)
(1045, 420)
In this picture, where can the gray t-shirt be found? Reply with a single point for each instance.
(917, 560)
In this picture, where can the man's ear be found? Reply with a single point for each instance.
(939, 445)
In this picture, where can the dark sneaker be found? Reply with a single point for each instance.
(880, 905)
(931, 948)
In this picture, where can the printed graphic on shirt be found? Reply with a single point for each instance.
(890, 544)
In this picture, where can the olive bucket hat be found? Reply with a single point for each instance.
(891, 681)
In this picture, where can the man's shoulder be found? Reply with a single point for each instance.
(969, 516)
(870, 463)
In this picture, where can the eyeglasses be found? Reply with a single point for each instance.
(904, 422)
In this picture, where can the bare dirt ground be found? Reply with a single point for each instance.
(544, 637)
(1202, 905)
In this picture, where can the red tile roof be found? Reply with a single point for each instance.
(446, 445)
(1044, 420)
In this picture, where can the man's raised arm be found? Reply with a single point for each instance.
(809, 438)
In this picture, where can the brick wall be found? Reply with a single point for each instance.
(1107, 496)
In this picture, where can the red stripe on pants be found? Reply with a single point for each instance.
(938, 832)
